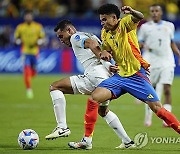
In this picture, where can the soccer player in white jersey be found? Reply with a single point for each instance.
(84, 46)
(156, 38)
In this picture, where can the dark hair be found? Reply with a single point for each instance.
(154, 5)
(28, 12)
(62, 25)
(109, 9)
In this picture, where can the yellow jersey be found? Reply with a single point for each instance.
(29, 35)
(123, 44)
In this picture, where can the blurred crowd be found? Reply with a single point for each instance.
(84, 9)
(52, 8)
(80, 8)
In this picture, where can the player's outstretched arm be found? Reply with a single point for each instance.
(176, 51)
(136, 15)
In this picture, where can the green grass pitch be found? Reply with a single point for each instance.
(18, 113)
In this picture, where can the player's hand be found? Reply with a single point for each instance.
(18, 41)
(105, 55)
(126, 9)
(114, 68)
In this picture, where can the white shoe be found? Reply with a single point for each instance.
(80, 145)
(58, 132)
(147, 123)
(148, 120)
(130, 145)
(29, 93)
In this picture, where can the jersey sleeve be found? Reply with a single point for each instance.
(17, 32)
(128, 23)
(172, 31)
(78, 40)
(141, 34)
(105, 45)
(42, 33)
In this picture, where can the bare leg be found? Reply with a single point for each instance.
(57, 90)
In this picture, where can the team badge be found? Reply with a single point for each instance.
(77, 38)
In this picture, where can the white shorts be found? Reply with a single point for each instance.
(81, 84)
(162, 75)
(85, 84)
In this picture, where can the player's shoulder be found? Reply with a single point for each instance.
(37, 24)
(104, 33)
(147, 24)
(126, 17)
(21, 25)
(78, 36)
(167, 23)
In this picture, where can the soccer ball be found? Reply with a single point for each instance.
(28, 139)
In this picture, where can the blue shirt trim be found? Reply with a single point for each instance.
(82, 42)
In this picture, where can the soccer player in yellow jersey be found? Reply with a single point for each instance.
(119, 38)
(30, 35)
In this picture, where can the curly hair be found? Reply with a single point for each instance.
(109, 9)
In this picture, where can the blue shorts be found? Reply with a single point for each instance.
(30, 60)
(137, 85)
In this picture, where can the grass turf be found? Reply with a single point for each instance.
(18, 113)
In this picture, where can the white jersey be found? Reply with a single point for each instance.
(85, 56)
(157, 43)
(95, 72)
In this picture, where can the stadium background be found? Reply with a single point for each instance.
(56, 61)
(54, 57)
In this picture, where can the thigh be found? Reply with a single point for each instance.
(81, 84)
(33, 61)
(140, 87)
(26, 60)
(63, 85)
(100, 95)
(167, 75)
(113, 84)
(30, 60)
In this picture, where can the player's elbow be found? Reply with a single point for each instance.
(93, 45)
(139, 17)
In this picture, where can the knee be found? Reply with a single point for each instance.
(155, 106)
(53, 87)
(103, 110)
(95, 97)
